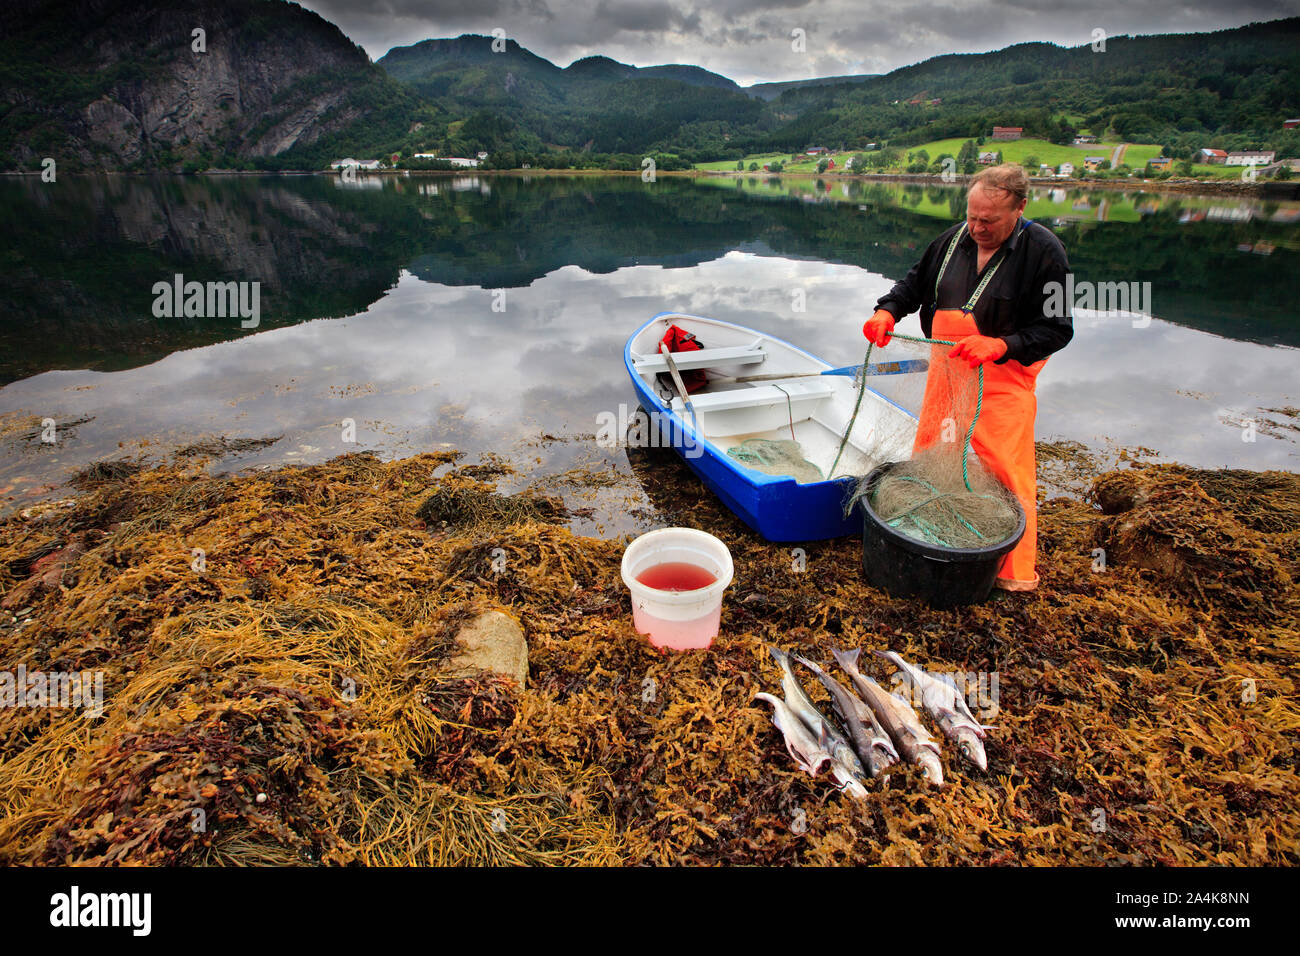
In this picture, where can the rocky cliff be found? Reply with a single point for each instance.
(115, 83)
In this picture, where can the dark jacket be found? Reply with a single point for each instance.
(1012, 306)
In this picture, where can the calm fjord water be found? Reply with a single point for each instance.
(489, 313)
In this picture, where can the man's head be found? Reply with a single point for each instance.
(996, 198)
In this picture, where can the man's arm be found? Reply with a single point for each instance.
(909, 292)
(1042, 333)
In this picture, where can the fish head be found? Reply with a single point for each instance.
(930, 766)
(880, 758)
(969, 746)
(854, 788)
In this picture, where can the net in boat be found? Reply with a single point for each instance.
(943, 495)
(783, 457)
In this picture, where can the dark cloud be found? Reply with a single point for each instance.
(750, 40)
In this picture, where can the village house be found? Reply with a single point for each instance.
(988, 159)
(1045, 170)
(1084, 140)
(1007, 132)
(1250, 157)
(817, 151)
(1291, 124)
(1160, 162)
(355, 163)
(1211, 157)
(1092, 162)
(1065, 170)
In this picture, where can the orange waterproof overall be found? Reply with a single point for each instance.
(1004, 433)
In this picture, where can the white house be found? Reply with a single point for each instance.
(1065, 169)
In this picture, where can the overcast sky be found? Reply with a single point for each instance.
(750, 40)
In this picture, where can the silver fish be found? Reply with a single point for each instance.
(798, 701)
(870, 739)
(896, 716)
(808, 752)
(948, 708)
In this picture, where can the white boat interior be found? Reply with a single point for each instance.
(789, 399)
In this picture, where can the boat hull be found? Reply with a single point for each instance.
(777, 507)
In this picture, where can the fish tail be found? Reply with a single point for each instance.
(847, 659)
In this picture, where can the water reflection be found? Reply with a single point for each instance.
(490, 314)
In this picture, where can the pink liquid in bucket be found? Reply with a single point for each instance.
(678, 635)
(677, 577)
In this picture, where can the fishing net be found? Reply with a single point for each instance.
(943, 495)
(783, 457)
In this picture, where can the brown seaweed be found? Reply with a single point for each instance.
(291, 694)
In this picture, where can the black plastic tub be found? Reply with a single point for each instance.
(906, 567)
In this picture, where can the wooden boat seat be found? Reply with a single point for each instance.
(795, 390)
(702, 358)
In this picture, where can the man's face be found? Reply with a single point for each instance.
(991, 215)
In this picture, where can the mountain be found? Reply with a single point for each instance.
(770, 91)
(119, 83)
(1231, 88)
(596, 103)
(1167, 88)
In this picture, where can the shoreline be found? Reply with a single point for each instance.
(1256, 190)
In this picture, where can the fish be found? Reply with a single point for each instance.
(798, 701)
(897, 717)
(948, 708)
(869, 738)
(810, 753)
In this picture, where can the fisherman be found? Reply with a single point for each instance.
(1002, 267)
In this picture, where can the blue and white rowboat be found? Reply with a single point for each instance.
(792, 397)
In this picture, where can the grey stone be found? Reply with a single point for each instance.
(494, 642)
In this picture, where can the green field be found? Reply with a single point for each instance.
(806, 165)
(1012, 152)
(1136, 156)
(1018, 150)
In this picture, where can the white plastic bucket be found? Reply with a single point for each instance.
(681, 620)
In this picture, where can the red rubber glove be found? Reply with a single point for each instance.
(978, 349)
(878, 328)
